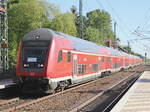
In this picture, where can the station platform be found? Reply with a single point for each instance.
(5, 83)
(137, 98)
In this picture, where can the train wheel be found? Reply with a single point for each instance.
(63, 85)
(102, 74)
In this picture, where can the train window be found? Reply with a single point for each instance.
(84, 68)
(113, 65)
(108, 60)
(103, 59)
(36, 44)
(34, 57)
(126, 64)
(116, 65)
(121, 60)
(60, 56)
(81, 69)
(93, 67)
(68, 56)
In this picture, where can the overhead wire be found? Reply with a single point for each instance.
(120, 26)
(117, 15)
(146, 20)
(114, 19)
(125, 25)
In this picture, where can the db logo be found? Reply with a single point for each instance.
(85, 59)
(32, 74)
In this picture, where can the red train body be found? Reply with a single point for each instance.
(48, 60)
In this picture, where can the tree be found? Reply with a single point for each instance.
(73, 10)
(97, 26)
(100, 20)
(64, 23)
(127, 49)
(93, 34)
(24, 16)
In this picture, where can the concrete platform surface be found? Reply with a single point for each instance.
(6, 83)
(137, 99)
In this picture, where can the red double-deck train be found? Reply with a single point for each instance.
(48, 60)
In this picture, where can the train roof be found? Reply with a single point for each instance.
(84, 45)
(46, 33)
(78, 44)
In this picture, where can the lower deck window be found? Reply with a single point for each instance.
(94, 68)
(116, 65)
(81, 69)
(126, 64)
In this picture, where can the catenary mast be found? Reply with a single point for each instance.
(4, 62)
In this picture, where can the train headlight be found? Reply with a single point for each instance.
(40, 65)
(25, 65)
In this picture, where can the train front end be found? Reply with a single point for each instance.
(32, 60)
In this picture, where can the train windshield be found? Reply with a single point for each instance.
(34, 57)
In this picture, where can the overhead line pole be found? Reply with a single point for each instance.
(115, 35)
(81, 19)
(115, 30)
(128, 46)
(4, 62)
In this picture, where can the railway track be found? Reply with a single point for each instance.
(105, 102)
(5, 102)
(12, 104)
(112, 104)
(72, 99)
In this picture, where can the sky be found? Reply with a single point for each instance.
(132, 17)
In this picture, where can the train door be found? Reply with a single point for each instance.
(75, 65)
(99, 60)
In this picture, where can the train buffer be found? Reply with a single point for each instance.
(5, 83)
(137, 98)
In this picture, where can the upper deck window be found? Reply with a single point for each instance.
(109, 60)
(60, 56)
(69, 56)
(103, 59)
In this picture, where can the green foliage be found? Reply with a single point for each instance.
(100, 20)
(128, 50)
(97, 26)
(13, 45)
(64, 23)
(24, 16)
(77, 23)
(93, 34)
